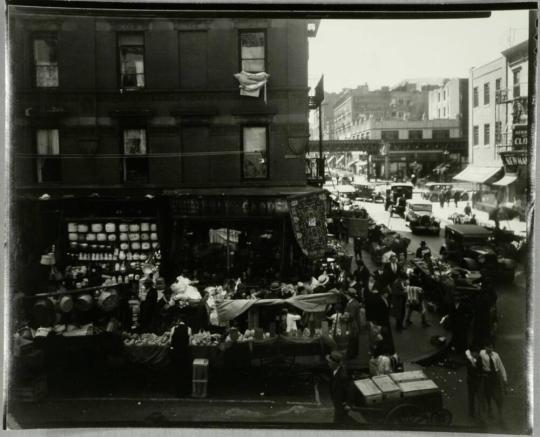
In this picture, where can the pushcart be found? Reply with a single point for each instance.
(422, 409)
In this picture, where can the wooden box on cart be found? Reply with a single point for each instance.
(418, 388)
(370, 393)
(389, 389)
(413, 375)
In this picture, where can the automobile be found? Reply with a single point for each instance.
(404, 189)
(346, 180)
(419, 217)
(471, 246)
(433, 189)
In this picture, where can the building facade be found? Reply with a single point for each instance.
(450, 101)
(136, 111)
(498, 129)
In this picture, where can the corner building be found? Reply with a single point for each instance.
(138, 114)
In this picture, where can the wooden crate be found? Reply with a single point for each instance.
(418, 388)
(200, 369)
(31, 391)
(199, 389)
(414, 375)
(369, 391)
(389, 389)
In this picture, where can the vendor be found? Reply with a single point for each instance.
(148, 307)
(290, 320)
(422, 250)
(181, 358)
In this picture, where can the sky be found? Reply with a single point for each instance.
(385, 52)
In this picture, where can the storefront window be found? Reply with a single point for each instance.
(441, 134)
(131, 50)
(415, 135)
(135, 160)
(389, 135)
(45, 61)
(254, 162)
(48, 144)
(252, 51)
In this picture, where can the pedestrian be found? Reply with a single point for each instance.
(352, 310)
(181, 358)
(415, 302)
(456, 198)
(473, 221)
(357, 242)
(475, 381)
(448, 197)
(391, 271)
(362, 275)
(148, 306)
(467, 209)
(398, 300)
(339, 388)
(495, 379)
(441, 199)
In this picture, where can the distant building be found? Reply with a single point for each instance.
(498, 129)
(451, 101)
(327, 111)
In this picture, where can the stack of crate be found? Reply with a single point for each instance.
(414, 383)
(200, 378)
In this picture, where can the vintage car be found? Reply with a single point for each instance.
(368, 193)
(419, 217)
(433, 189)
(471, 247)
(396, 190)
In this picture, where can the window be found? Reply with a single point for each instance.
(438, 97)
(135, 155)
(486, 134)
(486, 93)
(45, 61)
(475, 135)
(440, 134)
(498, 84)
(389, 135)
(439, 113)
(517, 78)
(475, 96)
(444, 112)
(252, 51)
(498, 132)
(444, 95)
(48, 144)
(131, 50)
(255, 152)
(415, 135)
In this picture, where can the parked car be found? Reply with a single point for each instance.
(419, 217)
(471, 247)
(433, 190)
(396, 190)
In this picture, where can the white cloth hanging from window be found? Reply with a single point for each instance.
(252, 83)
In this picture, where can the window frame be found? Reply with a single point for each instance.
(242, 150)
(498, 132)
(487, 88)
(38, 177)
(42, 35)
(488, 125)
(119, 61)
(476, 97)
(476, 135)
(516, 71)
(125, 156)
(416, 131)
(239, 37)
(389, 130)
(436, 132)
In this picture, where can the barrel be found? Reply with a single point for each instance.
(43, 313)
(108, 300)
(84, 302)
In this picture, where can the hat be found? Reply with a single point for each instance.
(323, 279)
(275, 286)
(422, 243)
(335, 357)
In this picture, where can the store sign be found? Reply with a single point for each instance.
(513, 159)
(227, 207)
(520, 138)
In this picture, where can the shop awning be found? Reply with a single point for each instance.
(358, 162)
(341, 158)
(310, 303)
(506, 180)
(330, 158)
(477, 174)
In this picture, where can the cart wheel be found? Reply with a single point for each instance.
(407, 414)
(441, 417)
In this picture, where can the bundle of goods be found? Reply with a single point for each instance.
(147, 339)
(204, 338)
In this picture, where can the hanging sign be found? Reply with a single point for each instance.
(308, 218)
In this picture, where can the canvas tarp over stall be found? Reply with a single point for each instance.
(310, 303)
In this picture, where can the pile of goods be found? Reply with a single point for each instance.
(147, 339)
(204, 338)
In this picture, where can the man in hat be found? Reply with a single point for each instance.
(399, 299)
(391, 270)
(422, 250)
(339, 385)
(352, 309)
(323, 282)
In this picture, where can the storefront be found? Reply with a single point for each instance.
(487, 195)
